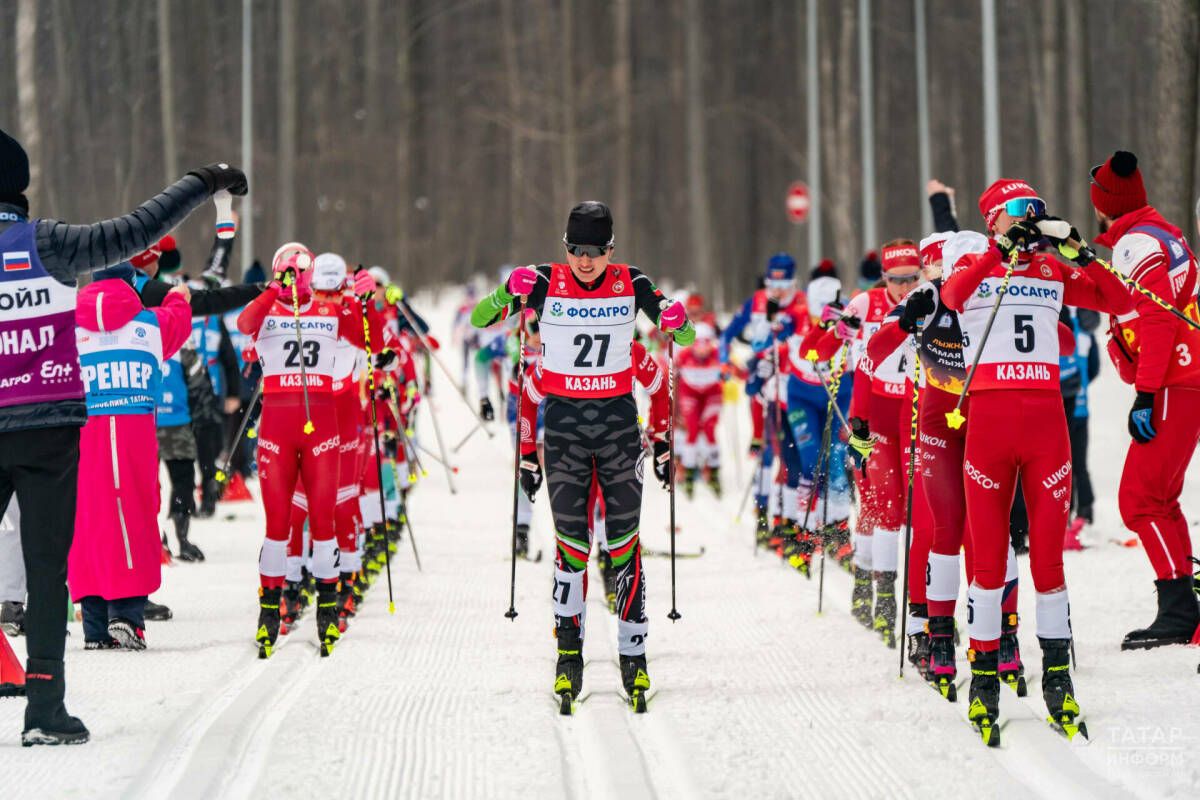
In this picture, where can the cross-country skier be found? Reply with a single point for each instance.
(586, 309)
(1017, 430)
(1159, 355)
(296, 341)
(699, 409)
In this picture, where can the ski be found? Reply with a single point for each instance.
(987, 728)
(567, 703)
(649, 553)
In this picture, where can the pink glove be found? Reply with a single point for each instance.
(521, 281)
(831, 314)
(847, 328)
(364, 284)
(672, 317)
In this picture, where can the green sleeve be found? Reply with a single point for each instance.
(489, 309)
(685, 334)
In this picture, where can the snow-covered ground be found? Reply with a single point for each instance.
(757, 694)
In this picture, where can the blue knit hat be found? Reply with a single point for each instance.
(120, 272)
(781, 268)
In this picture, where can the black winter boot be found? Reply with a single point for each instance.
(187, 550)
(1177, 620)
(46, 718)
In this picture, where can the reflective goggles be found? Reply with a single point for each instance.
(1022, 207)
(913, 278)
(781, 285)
(589, 250)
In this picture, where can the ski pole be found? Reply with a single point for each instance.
(1148, 294)
(955, 418)
(437, 360)
(746, 497)
(827, 447)
(781, 467)
(387, 550)
(412, 536)
(441, 443)
(673, 614)
(300, 354)
(512, 584)
(908, 509)
(465, 439)
(832, 392)
(223, 473)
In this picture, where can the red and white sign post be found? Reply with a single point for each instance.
(798, 204)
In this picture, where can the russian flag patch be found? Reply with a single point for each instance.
(225, 226)
(17, 261)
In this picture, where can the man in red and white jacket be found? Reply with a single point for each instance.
(1159, 354)
(1016, 430)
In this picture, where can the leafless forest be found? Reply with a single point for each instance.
(442, 138)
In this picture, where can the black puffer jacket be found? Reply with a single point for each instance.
(68, 250)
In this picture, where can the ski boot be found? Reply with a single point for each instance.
(522, 541)
(127, 634)
(486, 412)
(46, 718)
(918, 641)
(210, 492)
(308, 588)
(636, 682)
(268, 621)
(860, 600)
(778, 536)
(984, 711)
(714, 481)
(157, 612)
(568, 679)
(885, 607)
(345, 601)
(689, 481)
(187, 550)
(1012, 671)
(762, 528)
(289, 608)
(608, 573)
(327, 616)
(801, 549)
(12, 617)
(357, 589)
(942, 671)
(1177, 619)
(1058, 690)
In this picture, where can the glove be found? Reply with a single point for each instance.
(756, 447)
(662, 462)
(1140, 418)
(847, 327)
(1023, 233)
(521, 281)
(1066, 238)
(831, 313)
(860, 442)
(222, 176)
(486, 411)
(672, 317)
(917, 306)
(384, 359)
(364, 284)
(531, 474)
(764, 368)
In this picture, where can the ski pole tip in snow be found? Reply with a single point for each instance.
(391, 608)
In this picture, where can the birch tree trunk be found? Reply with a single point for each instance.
(700, 233)
(286, 199)
(27, 98)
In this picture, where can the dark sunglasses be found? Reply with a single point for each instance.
(589, 250)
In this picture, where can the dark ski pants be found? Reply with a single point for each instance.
(182, 472)
(41, 467)
(597, 437)
(97, 612)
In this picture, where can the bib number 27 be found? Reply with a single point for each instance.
(585, 342)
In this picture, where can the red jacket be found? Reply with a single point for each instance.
(1150, 347)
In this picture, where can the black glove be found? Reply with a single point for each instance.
(1141, 418)
(917, 306)
(384, 359)
(222, 176)
(531, 474)
(486, 411)
(662, 462)
(1066, 237)
(1023, 233)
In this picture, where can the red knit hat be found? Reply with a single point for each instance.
(1117, 186)
(999, 193)
(151, 255)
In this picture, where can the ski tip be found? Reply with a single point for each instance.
(566, 705)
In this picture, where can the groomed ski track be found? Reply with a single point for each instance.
(755, 695)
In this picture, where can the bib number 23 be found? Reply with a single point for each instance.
(312, 353)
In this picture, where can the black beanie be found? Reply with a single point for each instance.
(590, 222)
(14, 171)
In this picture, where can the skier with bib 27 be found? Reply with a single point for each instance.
(586, 309)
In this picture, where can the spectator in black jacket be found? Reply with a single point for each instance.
(42, 396)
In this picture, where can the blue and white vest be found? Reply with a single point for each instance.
(122, 369)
